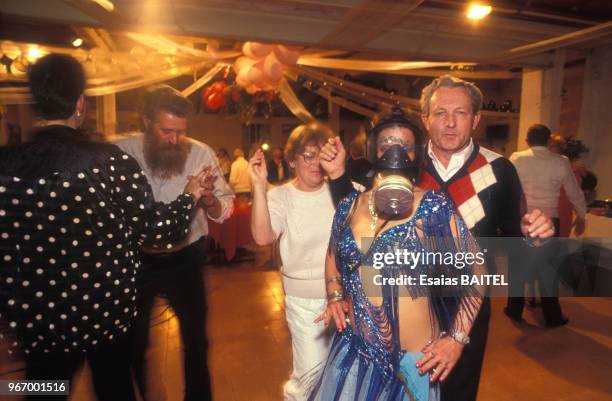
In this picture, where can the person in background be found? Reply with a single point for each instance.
(278, 169)
(557, 145)
(300, 213)
(357, 166)
(169, 158)
(239, 175)
(543, 174)
(73, 216)
(225, 163)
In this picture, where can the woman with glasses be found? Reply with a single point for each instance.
(299, 214)
(402, 318)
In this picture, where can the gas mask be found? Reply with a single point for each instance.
(395, 172)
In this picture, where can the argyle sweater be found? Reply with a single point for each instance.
(486, 191)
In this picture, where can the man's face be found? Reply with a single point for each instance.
(166, 149)
(277, 154)
(167, 129)
(451, 119)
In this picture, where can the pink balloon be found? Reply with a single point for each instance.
(286, 56)
(242, 63)
(246, 49)
(261, 50)
(256, 50)
(242, 79)
(256, 74)
(272, 69)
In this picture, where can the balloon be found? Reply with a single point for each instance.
(286, 56)
(242, 63)
(272, 68)
(255, 73)
(243, 77)
(215, 101)
(218, 86)
(256, 50)
(205, 94)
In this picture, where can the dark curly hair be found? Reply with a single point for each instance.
(56, 82)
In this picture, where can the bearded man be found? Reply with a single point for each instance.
(168, 158)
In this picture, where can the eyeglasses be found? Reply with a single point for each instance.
(310, 157)
(383, 144)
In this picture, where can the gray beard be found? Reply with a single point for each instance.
(165, 161)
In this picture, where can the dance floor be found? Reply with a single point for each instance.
(250, 347)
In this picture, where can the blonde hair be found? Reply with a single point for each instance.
(310, 134)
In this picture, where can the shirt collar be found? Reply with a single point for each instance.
(463, 153)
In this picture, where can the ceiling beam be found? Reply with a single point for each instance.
(368, 20)
(113, 20)
(572, 38)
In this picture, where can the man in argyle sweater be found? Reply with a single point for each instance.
(487, 193)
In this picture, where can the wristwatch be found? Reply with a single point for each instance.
(460, 337)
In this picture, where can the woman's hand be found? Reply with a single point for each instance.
(440, 358)
(195, 184)
(258, 170)
(336, 310)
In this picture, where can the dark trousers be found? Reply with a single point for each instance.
(110, 371)
(178, 277)
(540, 264)
(462, 383)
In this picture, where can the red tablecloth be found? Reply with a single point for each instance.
(235, 231)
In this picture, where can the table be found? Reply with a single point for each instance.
(235, 232)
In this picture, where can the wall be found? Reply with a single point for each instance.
(595, 127)
(571, 101)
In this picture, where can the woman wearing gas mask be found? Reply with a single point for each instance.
(386, 332)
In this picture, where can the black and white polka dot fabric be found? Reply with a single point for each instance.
(73, 215)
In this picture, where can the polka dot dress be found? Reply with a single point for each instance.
(70, 239)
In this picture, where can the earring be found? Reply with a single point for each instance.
(78, 113)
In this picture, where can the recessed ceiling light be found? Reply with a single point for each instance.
(105, 4)
(477, 11)
(34, 53)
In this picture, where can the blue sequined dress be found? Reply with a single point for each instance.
(364, 360)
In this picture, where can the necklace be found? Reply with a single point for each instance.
(372, 211)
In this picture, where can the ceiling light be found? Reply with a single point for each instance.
(34, 53)
(77, 42)
(477, 11)
(265, 147)
(105, 4)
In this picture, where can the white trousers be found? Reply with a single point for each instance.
(309, 342)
